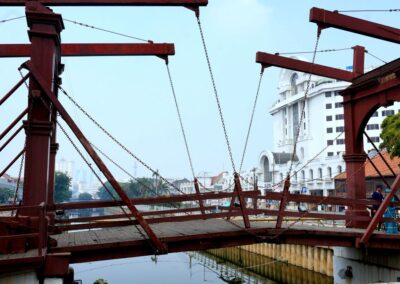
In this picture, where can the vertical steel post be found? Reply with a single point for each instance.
(196, 187)
(283, 203)
(242, 202)
(44, 34)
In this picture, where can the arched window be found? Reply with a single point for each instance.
(311, 173)
(320, 173)
(295, 176)
(329, 170)
(303, 175)
(339, 169)
(293, 83)
(267, 172)
(302, 153)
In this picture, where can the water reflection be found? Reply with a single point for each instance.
(232, 266)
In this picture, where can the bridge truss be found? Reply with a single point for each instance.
(33, 237)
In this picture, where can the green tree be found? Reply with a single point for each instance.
(85, 196)
(391, 135)
(100, 281)
(62, 184)
(5, 194)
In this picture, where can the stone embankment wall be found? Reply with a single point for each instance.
(318, 259)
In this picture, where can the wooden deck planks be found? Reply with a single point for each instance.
(184, 229)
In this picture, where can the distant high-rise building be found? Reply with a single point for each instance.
(65, 167)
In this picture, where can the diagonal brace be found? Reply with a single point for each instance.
(88, 147)
(382, 208)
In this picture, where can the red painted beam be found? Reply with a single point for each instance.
(89, 149)
(267, 60)
(95, 49)
(188, 3)
(326, 19)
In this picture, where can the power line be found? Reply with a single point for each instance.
(11, 19)
(318, 51)
(373, 10)
(107, 31)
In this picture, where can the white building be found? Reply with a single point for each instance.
(321, 141)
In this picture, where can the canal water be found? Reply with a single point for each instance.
(197, 267)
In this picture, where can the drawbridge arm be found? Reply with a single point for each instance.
(185, 3)
(267, 60)
(326, 19)
(95, 49)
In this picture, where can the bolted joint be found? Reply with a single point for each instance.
(35, 94)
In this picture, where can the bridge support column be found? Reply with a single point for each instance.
(352, 265)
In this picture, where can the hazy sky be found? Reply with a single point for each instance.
(131, 96)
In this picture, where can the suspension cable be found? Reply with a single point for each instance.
(216, 93)
(376, 10)
(99, 179)
(107, 31)
(251, 119)
(11, 19)
(318, 51)
(124, 170)
(115, 139)
(180, 119)
(303, 108)
(374, 56)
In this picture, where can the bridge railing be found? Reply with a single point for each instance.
(255, 207)
(19, 233)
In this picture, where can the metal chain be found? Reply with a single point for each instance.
(99, 179)
(318, 51)
(107, 31)
(374, 56)
(303, 108)
(115, 140)
(11, 19)
(216, 94)
(251, 119)
(180, 120)
(124, 170)
(19, 175)
(131, 176)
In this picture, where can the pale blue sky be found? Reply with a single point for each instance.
(132, 98)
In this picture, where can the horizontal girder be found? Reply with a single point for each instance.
(95, 49)
(326, 19)
(267, 59)
(188, 3)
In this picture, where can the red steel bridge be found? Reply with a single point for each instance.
(33, 236)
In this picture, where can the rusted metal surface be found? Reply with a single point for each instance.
(326, 19)
(189, 3)
(267, 60)
(95, 49)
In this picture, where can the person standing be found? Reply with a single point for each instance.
(377, 195)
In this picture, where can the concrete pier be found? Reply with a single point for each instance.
(365, 266)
